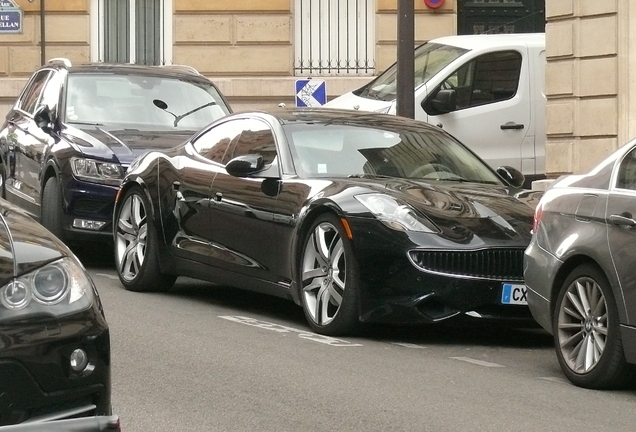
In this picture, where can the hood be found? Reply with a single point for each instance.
(354, 102)
(465, 210)
(25, 245)
(123, 145)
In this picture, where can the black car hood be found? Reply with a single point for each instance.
(25, 245)
(467, 209)
(122, 145)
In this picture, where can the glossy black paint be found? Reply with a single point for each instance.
(37, 146)
(248, 231)
(36, 378)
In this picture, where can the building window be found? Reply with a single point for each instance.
(334, 37)
(131, 31)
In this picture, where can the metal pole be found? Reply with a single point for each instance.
(405, 104)
(42, 34)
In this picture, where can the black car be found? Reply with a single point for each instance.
(580, 273)
(358, 217)
(68, 140)
(54, 339)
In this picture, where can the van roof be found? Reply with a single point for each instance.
(493, 40)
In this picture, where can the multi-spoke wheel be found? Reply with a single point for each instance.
(136, 246)
(587, 334)
(329, 278)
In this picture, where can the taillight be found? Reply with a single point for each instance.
(538, 212)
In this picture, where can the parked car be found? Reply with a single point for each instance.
(358, 217)
(68, 140)
(579, 271)
(486, 90)
(54, 339)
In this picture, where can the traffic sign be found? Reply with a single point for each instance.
(310, 92)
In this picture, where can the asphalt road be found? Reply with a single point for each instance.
(209, 358)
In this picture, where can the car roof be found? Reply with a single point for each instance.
(172, 71)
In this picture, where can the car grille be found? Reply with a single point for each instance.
(503, 264)
(90, 206)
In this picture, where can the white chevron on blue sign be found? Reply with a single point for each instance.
(310, 93)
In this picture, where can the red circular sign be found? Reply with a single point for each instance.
(434, 3)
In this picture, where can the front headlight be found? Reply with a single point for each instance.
(59, 288)
(400, 217)
(96, 171)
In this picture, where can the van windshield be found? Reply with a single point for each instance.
(430, 58)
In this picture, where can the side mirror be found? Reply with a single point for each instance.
(245, 165)
(445, 101)
(42, 117)
(512, 176)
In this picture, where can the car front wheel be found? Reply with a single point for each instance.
(329, 279)
(52, 209)
(587, 332)
(136, 246)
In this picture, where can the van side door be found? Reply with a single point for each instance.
(490, 110)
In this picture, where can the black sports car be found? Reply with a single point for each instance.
(54, 340)
(74, 129)
(358, 217)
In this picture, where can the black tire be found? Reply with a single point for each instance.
(52, 210)
(136, 245)
(3, 179)
(329, 279)
(586, 321)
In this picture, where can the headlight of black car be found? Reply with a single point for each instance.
(396, 215)
(97, 171)
(58, 288)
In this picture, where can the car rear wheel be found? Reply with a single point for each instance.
(329, 279)
(587, 332)
(136, 246)
(52, 209)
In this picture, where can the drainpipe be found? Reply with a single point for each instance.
(42, 34)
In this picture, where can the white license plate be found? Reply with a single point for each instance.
(514, 294)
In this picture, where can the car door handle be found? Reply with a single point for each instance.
(624, 219)
(511, 125)
(218, 197)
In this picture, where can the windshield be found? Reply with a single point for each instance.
(337, 150)
(430, 58)
(128, 100)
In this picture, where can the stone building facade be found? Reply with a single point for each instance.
(248, 48)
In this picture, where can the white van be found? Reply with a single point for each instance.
(486, 90)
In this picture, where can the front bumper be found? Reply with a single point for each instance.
(37, 379)
(395, 290)
(89, 202)
(540, 268)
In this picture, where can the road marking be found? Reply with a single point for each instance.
(407, 345)
(303, 334)
(107, 276)
(477, 362)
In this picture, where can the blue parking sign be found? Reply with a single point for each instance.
(310, 92)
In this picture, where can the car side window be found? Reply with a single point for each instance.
(489, 78)
(214, 143)
(627, 172)
(29, 100)
(51, 93)
(256, 138)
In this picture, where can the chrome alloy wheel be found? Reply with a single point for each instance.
(582, 325)
(324, 273)
(132, 231)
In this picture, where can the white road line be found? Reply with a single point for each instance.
(477, 362)
(303, 334)
(407, 345)
(107, 276)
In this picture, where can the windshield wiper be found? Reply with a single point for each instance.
(368, 175)
(85, 123)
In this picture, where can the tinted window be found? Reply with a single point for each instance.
(489, 78)
(336, 150)
(214, 143)
(51, 94)
(627, 172)
(33, 93)
(256, 138)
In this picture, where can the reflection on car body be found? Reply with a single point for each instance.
(357, 217)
